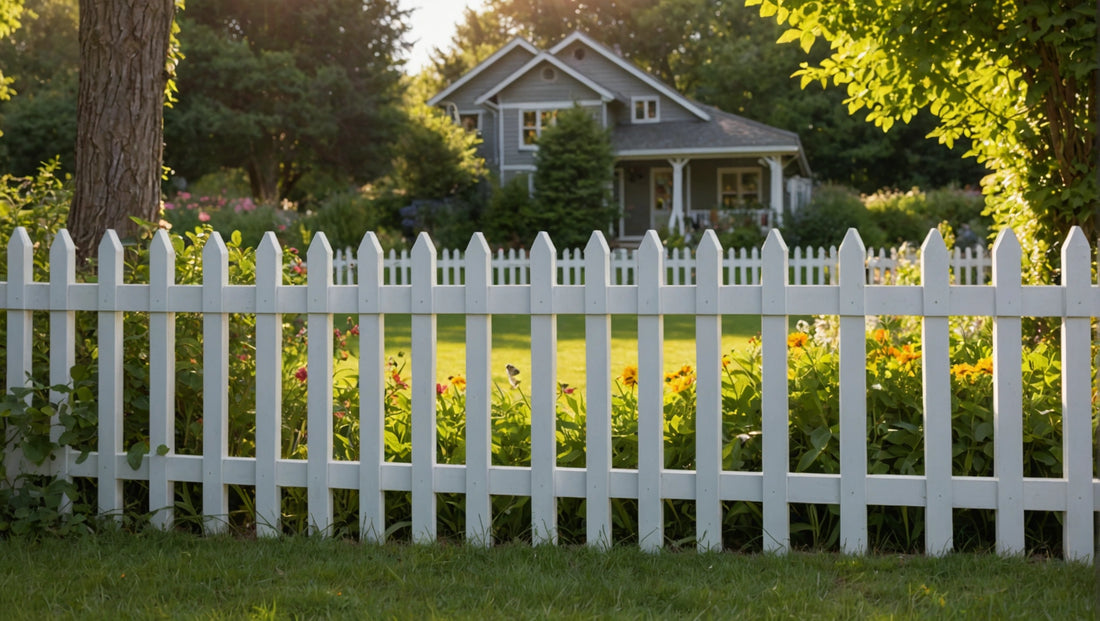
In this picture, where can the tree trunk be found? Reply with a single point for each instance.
(120, 117)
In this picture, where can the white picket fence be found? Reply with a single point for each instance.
(1075, 302)
(741, 266)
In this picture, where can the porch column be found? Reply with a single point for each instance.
(775, 167)
(676, 218)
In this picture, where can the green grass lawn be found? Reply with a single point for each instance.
(177, 576)
(512, 343)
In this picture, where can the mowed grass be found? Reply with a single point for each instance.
(512, 344)
(172, 575)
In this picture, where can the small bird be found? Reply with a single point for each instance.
(512, 373)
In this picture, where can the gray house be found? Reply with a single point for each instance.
(678, 163)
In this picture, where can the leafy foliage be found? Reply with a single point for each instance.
(1017, 77)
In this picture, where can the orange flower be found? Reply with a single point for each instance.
(682, 382)
(905, 354)
(880, 335)
(726, 361)
(458, 382)
(630, 376)
(797, 339)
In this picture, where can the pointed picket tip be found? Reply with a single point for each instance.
(597, 245)
(423, 245)
(852, 243)
(543, 246)
(1076, 243)
(20, 257)
(651, 242)
(1076, 259)
(162, 259)
(62, 247)
(478, 247)
(214, 249)
(776, 238)
(934, 257)
(1006, 242)
(110, 243)
(319, 249)
(933, 243)
(270, 249)
(775, 248)
(709, 246)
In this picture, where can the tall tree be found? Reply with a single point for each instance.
(1018, 77)
(282, 87)
(123, 50)
(10, 13)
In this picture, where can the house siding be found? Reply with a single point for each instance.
(609, 75)
(532, 88)
(513, 155)
(465, 96)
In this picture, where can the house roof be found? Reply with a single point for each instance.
(724, 134)
(604, 94)
(632, 69)
(519, 42)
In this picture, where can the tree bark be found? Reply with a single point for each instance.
(120, 117)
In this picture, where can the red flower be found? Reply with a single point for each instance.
(354, 330)
(440, 388)
(301, 374)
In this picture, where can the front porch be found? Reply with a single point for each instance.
(683, 194)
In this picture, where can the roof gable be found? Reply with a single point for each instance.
(517, 43)
(633, 70)
(604, 94)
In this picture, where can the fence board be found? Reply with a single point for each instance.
(110, 376)
(372, 392)
(597, 336)
(853, 397)
(269, 384)
(162, 378)
(544, 392)
(774, 403)
(479, 343)
(215, 384)
(423, 390)
(1008, 434)
(319, 326)
(708, 396)
(651, 428)
(1076, 398)
(19, 327)
(936, 379)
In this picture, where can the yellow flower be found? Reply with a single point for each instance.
(726, 361)
(985, 365)
(458, 382)
(797, 339)
(630, 376)
(905, 354)
(682, 382)
(686, 370)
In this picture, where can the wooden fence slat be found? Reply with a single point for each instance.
(650, 278)
(423, 390)
(774, 401)
(110, 376)
(215, 384)
(19, 327)
(708, 395)
(1076, 398)
(319, 327)
(479, 343)
(597, 331)
(936, 378)
(853, 396)
(1008, 434)
(62, 341)
(372, 392)
(269, 384)
(544, 392)
(162, 379)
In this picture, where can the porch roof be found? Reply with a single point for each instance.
(724, 135)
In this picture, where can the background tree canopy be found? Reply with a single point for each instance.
(281, 88)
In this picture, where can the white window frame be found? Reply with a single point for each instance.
(738, 192)
(645, 101)
(538, 127)
(473, 113)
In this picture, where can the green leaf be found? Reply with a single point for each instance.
(162, 450)
(138, 450)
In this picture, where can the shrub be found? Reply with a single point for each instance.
(824, 222)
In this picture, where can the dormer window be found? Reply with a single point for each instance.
(646, 109)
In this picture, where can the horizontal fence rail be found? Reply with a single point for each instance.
(741, 266)
(649, 296)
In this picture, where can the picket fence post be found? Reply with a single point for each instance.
(853, 396)
(479, 430)
(774, 406)
(162, 378)
(650, 279)
(62, 343)
(269, 384)
(423, 390)
(20, 275)
(708, 395)
(110, 395)
(544, 392)
(372, 391)
(936, 381)
(215, 384)
(1008, 434)
(1076, 335)
(597, 336)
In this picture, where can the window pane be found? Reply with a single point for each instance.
(652, 112)
(639, 110)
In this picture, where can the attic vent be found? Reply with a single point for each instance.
(578, 53)
(549, 74)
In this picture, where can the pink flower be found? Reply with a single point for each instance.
(169, 206)
(354, 330)
(282, 227)
(204, 217)
(301, 374)
(440, 388)
(183, 196)
(242, 357)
